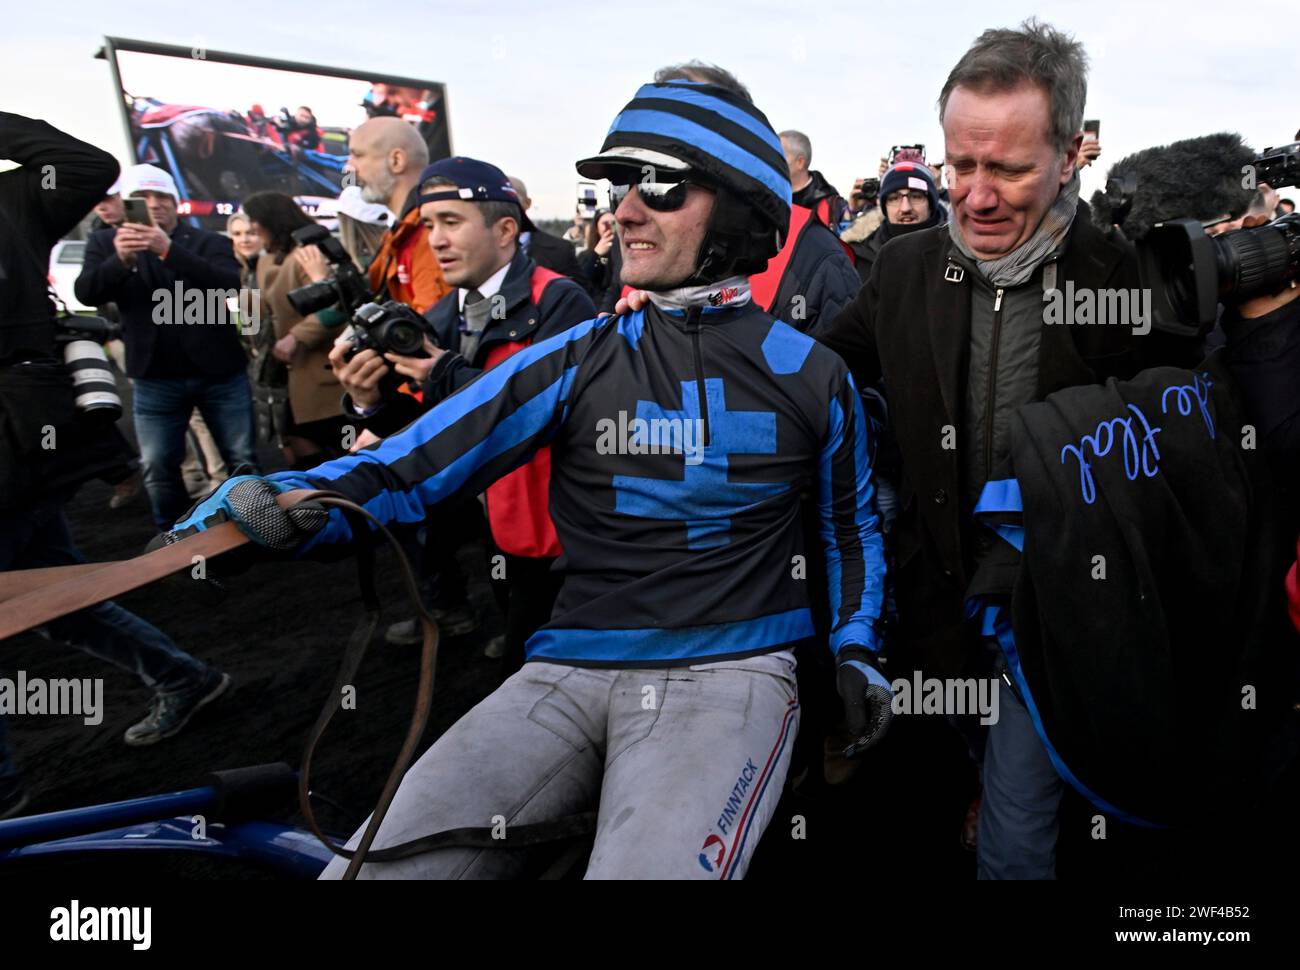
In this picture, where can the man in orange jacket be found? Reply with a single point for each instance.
(386, 156)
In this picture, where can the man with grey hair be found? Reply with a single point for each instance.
(811, 190)
(951, 324)
(385, 158)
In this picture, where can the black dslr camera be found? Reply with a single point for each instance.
(1189, 273)
(348, 287)
(388, 328)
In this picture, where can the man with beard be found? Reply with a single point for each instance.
(386, 156)
(910, 201)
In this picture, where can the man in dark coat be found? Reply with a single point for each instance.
(952, 322)
(545, 250)
(171, 282)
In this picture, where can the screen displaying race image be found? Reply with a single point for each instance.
(226, 130)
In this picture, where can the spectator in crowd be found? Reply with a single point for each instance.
(576, 234)
(361, 226)
(386, 156)
(246, 243)
(268, 377)
(545, 250)
(36, 394)
(910, 202)
(864, 207)
(170, 282)
(1284, 208)
(594, 263)
(811, 190)
(314, 429)
(951, 321)
(109, 211)
(936, 173)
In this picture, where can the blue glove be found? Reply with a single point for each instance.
(867, 695)
(249, 502)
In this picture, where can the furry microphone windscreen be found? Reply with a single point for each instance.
(1196, 178)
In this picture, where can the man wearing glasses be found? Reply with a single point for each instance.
(662, 690)
(910, 201)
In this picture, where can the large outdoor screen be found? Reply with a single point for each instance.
(226, 126)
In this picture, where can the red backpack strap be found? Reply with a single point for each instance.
(541, 279)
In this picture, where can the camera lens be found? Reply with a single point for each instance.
(403, 337)
(313, 297)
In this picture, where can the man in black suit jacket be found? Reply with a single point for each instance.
(171, 283)
(546, 250)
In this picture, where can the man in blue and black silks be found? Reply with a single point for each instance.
(662, 690)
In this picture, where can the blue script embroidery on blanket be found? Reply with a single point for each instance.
(1141, 455)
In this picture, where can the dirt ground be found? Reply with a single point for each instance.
(280, 632)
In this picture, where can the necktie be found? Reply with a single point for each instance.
(474, 319)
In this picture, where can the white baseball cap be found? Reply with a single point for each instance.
(353, 205)
(147, 178)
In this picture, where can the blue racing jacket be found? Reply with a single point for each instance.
(681, 442)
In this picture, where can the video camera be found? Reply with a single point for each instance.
(1279, 167)
(389, 327)
(348, 287)
(1190, 272)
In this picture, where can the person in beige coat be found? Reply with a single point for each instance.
(316, 425)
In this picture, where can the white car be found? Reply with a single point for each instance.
(65, 267)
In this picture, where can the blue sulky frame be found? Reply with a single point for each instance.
(163, 823)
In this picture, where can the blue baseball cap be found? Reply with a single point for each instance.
(476, 181)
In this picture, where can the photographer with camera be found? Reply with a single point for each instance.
(503, 303)
(171, 281)
(313, 429)
(48, 428)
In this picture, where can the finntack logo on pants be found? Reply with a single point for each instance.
(733, 812)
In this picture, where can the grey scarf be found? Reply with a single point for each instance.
(1017, 266)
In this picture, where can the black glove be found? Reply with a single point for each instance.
(867, 695)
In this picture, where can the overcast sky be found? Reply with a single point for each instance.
(532, 86)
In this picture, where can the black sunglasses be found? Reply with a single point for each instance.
(657, 196)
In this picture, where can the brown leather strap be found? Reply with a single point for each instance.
(41, 595)
(80, 588)
(21, 581)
